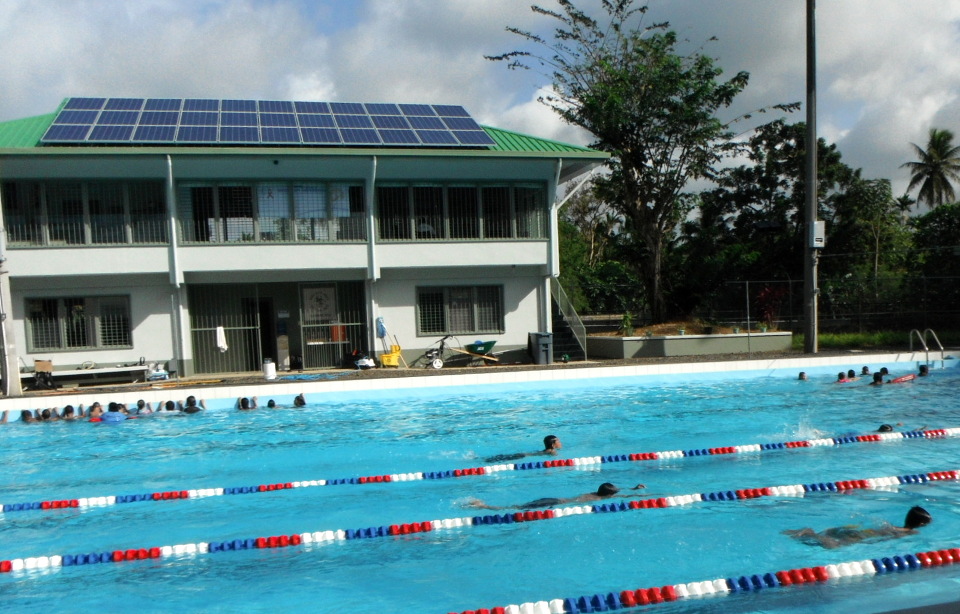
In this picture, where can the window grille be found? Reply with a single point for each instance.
(273, 209)
(105, 201)
(393, 206)
(148, 212)
(496, 212)
(311, 212)
(65, 213)
(428, 212)
(22, 212)
(78, 323)
(531, 218)
(236, 212)
(464, 213)
(459, 310)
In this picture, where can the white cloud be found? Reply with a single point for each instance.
(888, 70)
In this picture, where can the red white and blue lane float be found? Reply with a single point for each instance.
(630, 598)
(196, 493)
(412, 528)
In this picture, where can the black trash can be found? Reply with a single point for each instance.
(540, 346)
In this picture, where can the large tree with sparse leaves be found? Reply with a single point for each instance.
(652, 107)
(935, 169)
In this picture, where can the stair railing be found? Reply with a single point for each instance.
(569, 314)
(922, 338)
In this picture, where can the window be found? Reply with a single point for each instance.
(457, 310)
(61, 213)
(78, 323)
(271, 212)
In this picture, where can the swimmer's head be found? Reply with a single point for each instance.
(169, 406)
(551, 442)
(865, 370)
(917, 517)
(878, 378)
(885, 428)
(191, 401)
(244, 403)
(271, 403)
(141, 404)
(851, 374)
(607, 489)
(803, 375)
(299, 400)
(884, 371)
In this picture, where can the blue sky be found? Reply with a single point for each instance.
(889, 70)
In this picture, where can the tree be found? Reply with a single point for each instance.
(653, 109)
(935, 168)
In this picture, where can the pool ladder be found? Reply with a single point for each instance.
(922, 338)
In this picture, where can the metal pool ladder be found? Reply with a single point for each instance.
(923, 341)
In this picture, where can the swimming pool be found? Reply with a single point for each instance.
(404, 433)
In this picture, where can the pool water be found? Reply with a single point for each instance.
(467, 568)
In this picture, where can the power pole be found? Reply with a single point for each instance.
(814, 230)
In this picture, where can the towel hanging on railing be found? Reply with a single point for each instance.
(221, 339)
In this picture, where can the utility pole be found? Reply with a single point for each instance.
(814, 232)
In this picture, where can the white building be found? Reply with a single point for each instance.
(163, 229)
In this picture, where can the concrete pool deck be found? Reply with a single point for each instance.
(221, 391)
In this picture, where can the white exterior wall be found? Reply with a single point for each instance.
(150, 320)
(395, 296)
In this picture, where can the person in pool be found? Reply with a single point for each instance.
(551, 445)
(843, 536)
(605, 491)
(191, 405)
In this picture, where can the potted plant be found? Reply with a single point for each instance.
(682, 331)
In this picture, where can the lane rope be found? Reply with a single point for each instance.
(894, 563)
(196, 493)
(283, 541)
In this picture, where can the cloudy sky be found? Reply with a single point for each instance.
(888, 70)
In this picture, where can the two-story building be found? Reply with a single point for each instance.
(211, 234)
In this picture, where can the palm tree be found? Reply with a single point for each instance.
(935, 168)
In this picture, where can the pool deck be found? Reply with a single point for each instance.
(221, 391)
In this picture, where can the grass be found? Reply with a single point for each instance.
(875, 340)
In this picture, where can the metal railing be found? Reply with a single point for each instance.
(569, 314)
(923, 341)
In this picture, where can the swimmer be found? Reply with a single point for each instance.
(852, 375)
(605, 491)
(143, 407)
(299, 400)
(884, 371)
(244, 403)
(96, 410)
(272, 404)
(551, 445)
(877, 379)
(802, 376)
(924, 371)
(27, 416)
(842, 378)
(843, 536)
(865, 370)
(889, 428)
(191, 406)
(70, 414)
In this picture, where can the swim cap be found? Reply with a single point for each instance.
(606, 489)
(885, 428)
(917, 517)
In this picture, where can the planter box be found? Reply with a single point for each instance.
(687, 345)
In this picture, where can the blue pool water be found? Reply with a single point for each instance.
(457, 569)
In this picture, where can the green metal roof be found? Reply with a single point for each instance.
(26, 134)
(21, 133)
(514, 141)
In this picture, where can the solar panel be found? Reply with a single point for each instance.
(279, 135)
(162, 104)
(208, 121)
(155, 134)
(124, 104)
(110, 133)
(118, 117)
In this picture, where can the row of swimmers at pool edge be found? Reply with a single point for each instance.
(828, 538)
(115, 412)
(876, 378)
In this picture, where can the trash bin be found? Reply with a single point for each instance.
(540, 346)
(269, 369)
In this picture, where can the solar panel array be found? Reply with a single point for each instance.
(203, 121)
